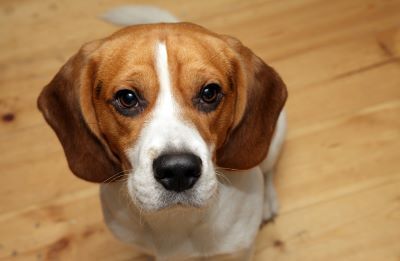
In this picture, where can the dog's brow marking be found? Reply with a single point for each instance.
(98, 88)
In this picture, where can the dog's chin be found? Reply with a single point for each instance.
(168, 200)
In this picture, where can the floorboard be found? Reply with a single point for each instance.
(338, 179)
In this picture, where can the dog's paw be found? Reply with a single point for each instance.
(270, 211)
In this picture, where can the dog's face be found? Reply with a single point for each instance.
(163, 107)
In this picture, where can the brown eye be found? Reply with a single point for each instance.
(127, 98)
(128, 102)
(209, 93)
(209, 97)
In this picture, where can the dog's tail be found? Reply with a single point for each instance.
(138, 14)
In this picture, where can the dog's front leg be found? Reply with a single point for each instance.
(268, 169)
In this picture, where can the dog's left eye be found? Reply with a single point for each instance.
(128, 102)
(208, 98)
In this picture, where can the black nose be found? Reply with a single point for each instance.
(178, 171)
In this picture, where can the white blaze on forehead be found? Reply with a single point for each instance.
(165, 95)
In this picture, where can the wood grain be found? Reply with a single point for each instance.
(338, 178)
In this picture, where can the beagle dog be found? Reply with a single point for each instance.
(182, 128)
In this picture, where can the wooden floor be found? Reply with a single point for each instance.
(339, 176)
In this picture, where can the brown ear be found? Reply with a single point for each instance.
(261, 95)
(60, 101)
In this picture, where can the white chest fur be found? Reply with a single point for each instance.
(229, 224)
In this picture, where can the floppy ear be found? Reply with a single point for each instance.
(88, 154)
(261, 95)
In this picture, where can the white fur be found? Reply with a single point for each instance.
(166, 131)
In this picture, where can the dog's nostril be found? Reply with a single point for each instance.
(178, 171)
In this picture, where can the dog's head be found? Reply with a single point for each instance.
(163, 107)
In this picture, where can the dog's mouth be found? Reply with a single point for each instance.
(188, 200)
(162, 199)
(185, 205)
(180, 205)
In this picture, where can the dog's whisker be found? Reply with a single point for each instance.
(222, 176)
(111, 178)
(117, 175)
(229, 169)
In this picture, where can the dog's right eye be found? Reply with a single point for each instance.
(128, 102)
(127, 98)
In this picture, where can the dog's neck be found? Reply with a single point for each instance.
(185, 232)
